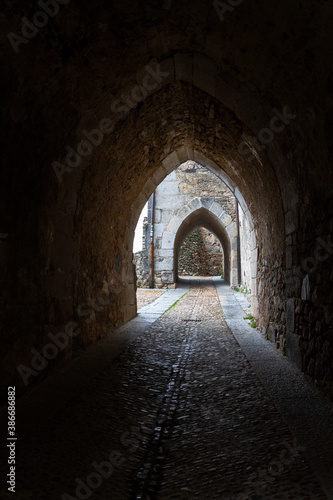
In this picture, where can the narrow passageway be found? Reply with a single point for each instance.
(180, 413)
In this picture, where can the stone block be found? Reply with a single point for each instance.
(139, 203)
(216, 210)
(254, 270)
(232, 230)
(234, 277)
(184, 154)
(129, 312)
(254, 254)
(249, 222)
(171, 162)
(169, 187)
(183, 212)
(233, 245)
(164, 264)
(200, 158)
(253, 240)
(174, 225)
(225, 219)
(195, 204)
(207, 202)
(149, 188)
(167, 277)
(168, 240)
(166, 252)
(158, 215)
(165, 202)
(159, 230)
(233, 255)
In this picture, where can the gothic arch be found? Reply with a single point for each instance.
(172, 161)
(215, 220)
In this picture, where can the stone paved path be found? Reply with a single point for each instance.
(145, 296)
(178, 413)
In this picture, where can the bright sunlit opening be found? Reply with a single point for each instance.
(137, 245)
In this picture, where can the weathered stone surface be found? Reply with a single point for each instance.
(200, 255)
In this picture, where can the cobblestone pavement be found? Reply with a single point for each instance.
(146, 296)
(179, 414)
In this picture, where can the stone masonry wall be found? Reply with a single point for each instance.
(195, 180)
(200, 254)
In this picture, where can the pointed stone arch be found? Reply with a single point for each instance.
(200, 213)
(169, 163)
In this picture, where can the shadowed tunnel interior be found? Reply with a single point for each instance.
(185, 398)
(101, 101)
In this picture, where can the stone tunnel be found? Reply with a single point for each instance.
(102, 101)
(96, 142)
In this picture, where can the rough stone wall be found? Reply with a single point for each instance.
(309, 314)
(195, 180)
(200, 255)
(213, 251)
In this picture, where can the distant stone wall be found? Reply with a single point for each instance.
(214, 253)
(200, 255)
